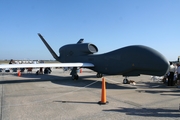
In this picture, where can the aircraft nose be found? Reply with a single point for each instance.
(152, 62)
(163, 66)
(159, 63)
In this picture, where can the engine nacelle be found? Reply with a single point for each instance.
(78, 49)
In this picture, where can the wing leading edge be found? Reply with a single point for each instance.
(47, 65)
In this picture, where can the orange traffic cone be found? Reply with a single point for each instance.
(19, 73)
(103, 93)
(80, 70)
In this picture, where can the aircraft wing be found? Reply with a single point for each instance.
(175, 61)
(47, 65)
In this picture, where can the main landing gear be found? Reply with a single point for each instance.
(75, 77)
(99, 75)
(74, 74)
(125, 81)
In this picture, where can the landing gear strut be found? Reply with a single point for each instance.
(125, 81)
(99, 75)
(74, 74)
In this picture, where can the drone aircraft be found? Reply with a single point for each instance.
(127, 61)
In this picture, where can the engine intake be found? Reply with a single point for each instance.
(78, 49)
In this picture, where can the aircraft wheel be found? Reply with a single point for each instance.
(75, 77)
(125, 81)
(99, 75)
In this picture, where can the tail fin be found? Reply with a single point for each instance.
(49, 48)
(80, 41)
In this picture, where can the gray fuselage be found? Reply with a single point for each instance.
(127, 61)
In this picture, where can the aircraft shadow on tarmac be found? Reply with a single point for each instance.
(160, 88)
(174, 92)
(66, 80)
(151, 85)
(147, 112)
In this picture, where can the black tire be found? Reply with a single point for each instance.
(125, 81)
(99, 75)
(75, 77)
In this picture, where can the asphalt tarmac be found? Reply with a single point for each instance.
(58, 97)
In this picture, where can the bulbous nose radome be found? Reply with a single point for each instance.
(148, 60)
(162, 65)
(158, 62)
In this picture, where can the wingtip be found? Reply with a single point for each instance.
(39, 34)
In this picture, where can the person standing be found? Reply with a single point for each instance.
(172, 70)
(178, 74)
(11, 61)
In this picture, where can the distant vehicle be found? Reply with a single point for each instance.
(7, 70)
(127, 61)
(14, 69)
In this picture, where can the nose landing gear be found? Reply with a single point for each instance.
(125, 81)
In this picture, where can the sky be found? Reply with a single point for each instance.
(109, 24)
